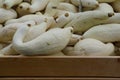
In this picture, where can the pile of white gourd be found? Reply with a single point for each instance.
(60, 27)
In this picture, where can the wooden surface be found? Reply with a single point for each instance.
(60, 66)
(59, 78)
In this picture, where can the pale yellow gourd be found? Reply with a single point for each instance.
(86, 3)
(69, 51)
(64, 19)
(61, 12)
(90, 47)
(7, 14)
(67, 7)
(51, 8)
(104, 33)
(50, 42)
(39, 13)
(85, 20)
(37, 5)
(59, 27)
(51, 23)
(74, 39)
(90, 3)
(22, 9)
(9, 30)
(114, 19)
(105, 7)
(93, 47)
(8, 50)
(10, 3)
(31, 17)
(34, 32)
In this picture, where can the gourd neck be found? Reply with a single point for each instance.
(20, 35)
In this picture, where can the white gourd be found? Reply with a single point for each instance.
(86, 3)
(8, 50)
(50, 42)
(105, 7)
(114, 19)
(104, 33)
(64, 19)
(51, 8)
(37, 5)
(22, 9)
(9, 30)
(7, 14)
(85, 20)
(39, 13)
(74, 39)
(90, 3)
(93, 47)
(69, 51)
(67, 7)
(90, 47)
(10, 3)
(36, 31)
(61, 12)
(59, 28)
(31, 17)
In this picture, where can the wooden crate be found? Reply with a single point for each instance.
(59, 78)
(60, 68)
